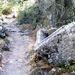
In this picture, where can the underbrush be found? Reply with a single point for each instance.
(7, 11)
(34, 16)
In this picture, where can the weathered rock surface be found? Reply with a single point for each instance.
(1, 19)
(42, 34)
(58, 46)
(2, 31)
(52, 72)
(25, 32)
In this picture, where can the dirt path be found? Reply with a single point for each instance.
(16, 60)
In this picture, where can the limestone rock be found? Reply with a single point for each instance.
(42, 34)
(58, 46)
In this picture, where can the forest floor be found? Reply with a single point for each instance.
(15, 61)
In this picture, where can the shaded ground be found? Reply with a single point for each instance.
(16, 60)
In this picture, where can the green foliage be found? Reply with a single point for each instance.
(64, 64)
(68, 3)
(16, 2)
(33, 15)
(69, 12)
(61, 65)
(0, 8)
(62, 12)
(6, 4)
(73, 67)
(6, 11)
(6, 40)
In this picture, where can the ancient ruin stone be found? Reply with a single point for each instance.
(58, 46)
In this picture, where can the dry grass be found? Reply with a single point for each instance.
(32, 32)
(40, 63)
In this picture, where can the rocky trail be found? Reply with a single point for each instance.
(16, 60)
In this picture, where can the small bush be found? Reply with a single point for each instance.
(64, 64)
(33, 15)
(61, 65)
(6, 11)
(0, 8)
(73, 67)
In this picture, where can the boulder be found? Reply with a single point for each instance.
(1, 19)
(26, 32)
(42, 34)
(58, 46)
(5, 48)
(2, 31)
(59, 71)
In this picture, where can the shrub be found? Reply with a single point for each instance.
(64, 64)
(0, 8)
(33, 15)
(61, 65)
(73, 67)
(6, 11)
